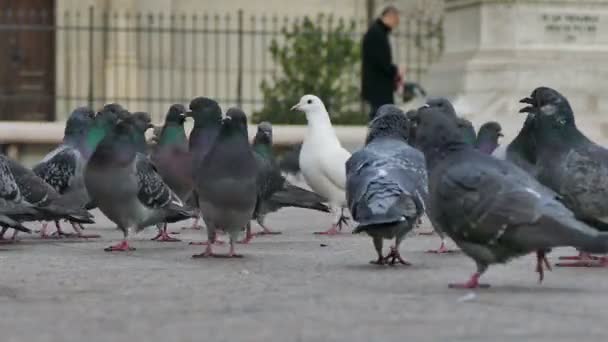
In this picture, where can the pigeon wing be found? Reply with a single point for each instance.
(59, 170)
(333, 167)
(153, 192)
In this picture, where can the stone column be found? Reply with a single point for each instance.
(497, 52)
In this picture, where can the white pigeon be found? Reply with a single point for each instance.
(323, 159)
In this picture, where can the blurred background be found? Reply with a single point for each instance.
(262, 55)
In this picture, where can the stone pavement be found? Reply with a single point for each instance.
(287, 288)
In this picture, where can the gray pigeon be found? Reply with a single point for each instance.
(274, 191)
(142, 122)
(444, 107)
(493, 210)
(172, 158)
(51, 205)
(13, 207)
(488, 136)
(226, 182)
(63, 168)
(522, 151)
(126, 187)
(569, 163)
(207, 116)
(386, 183)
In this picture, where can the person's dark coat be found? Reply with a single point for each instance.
(379, 73)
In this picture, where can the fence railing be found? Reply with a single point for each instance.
(147, 61)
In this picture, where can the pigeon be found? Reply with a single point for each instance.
(12, 204)
(464, 126)
(142, 122)
(125, 185)
(465, 129)
(226, 182)
(323, 159)
(63, 168)
(493, 210)
(487, 137)
(290, 161)
(207, 116)
(173, 160)
(51, 206)
(522, 151)
(569, 163)
(274, 191)
(386, 183)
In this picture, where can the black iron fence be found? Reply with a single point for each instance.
(53, 62)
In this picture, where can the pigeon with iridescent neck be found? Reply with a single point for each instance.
(173, 160)
(125, 185)
(226, 183)
(63, 168)
(487, 137)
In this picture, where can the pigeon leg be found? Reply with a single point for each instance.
(60, 233)
(211, 238)
(122, 246)
(378, 246)
(162, 235)
(79, 233)
(231, 253)
(43, 232)
(195, 224)
(442, 249)
(473, 283)
(266, 230)
(207, 253)
(342, 220)
(541, 263)
(3, 240)
(248, 235)
(394, 255)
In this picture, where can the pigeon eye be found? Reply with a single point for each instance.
(309, 101)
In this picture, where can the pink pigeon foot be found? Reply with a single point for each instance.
(331, 231)
(473, 283)
(586, 260)
(441, 250)
(122, 246)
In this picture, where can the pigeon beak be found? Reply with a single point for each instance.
(500, 134)
(150, 126)
(296, 107)
(527, 109)
(527, 100)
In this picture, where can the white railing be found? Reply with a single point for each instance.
(16, 133)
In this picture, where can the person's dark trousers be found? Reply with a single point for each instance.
(374, 107)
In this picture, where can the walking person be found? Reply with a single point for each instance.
(380, 77)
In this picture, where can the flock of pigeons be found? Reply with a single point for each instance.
(546, 189)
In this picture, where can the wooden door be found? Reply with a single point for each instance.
(27, 55)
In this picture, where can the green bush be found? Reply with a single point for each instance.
(315, 60)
